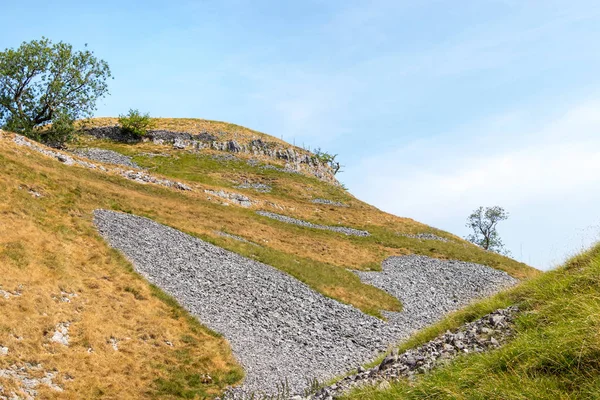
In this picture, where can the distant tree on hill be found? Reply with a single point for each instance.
(43, 83)
(328, 159)
(483, 222)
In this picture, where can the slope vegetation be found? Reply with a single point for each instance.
(74, 308)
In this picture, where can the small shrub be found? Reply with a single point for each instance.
(328, 159)
(135, 123)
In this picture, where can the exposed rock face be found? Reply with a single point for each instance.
(296, 160)
(279, 328)
(294, 221)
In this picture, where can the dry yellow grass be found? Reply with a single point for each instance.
(48, 250)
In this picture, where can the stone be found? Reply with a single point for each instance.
(497, 320)
(233, 146)
(179, 144)
(61, 334)
(236, 198)
(384, 385)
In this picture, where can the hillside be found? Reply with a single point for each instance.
(554, 352)
(82, 316)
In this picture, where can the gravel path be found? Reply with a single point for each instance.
(279, 328)
(294, 221)
(106, 156)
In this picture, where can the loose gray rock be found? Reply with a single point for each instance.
(27, 379)
(259, 187)
(474, 337)
(442, 285)
(6, 294)
(106, 156)
(279, 328)
(61, 334)
(299, 222)
(236, 198)
(426, 236)
(271, 167)
(329, 202)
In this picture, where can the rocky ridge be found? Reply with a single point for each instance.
(295, 159)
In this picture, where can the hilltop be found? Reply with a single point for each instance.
(84, 317)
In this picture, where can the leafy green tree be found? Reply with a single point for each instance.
(483, 222)
(136, 123)
(43, 83)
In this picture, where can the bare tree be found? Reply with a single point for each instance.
(483, 222)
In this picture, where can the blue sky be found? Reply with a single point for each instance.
(435, 107)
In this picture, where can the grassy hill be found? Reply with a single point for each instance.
(127, 339)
